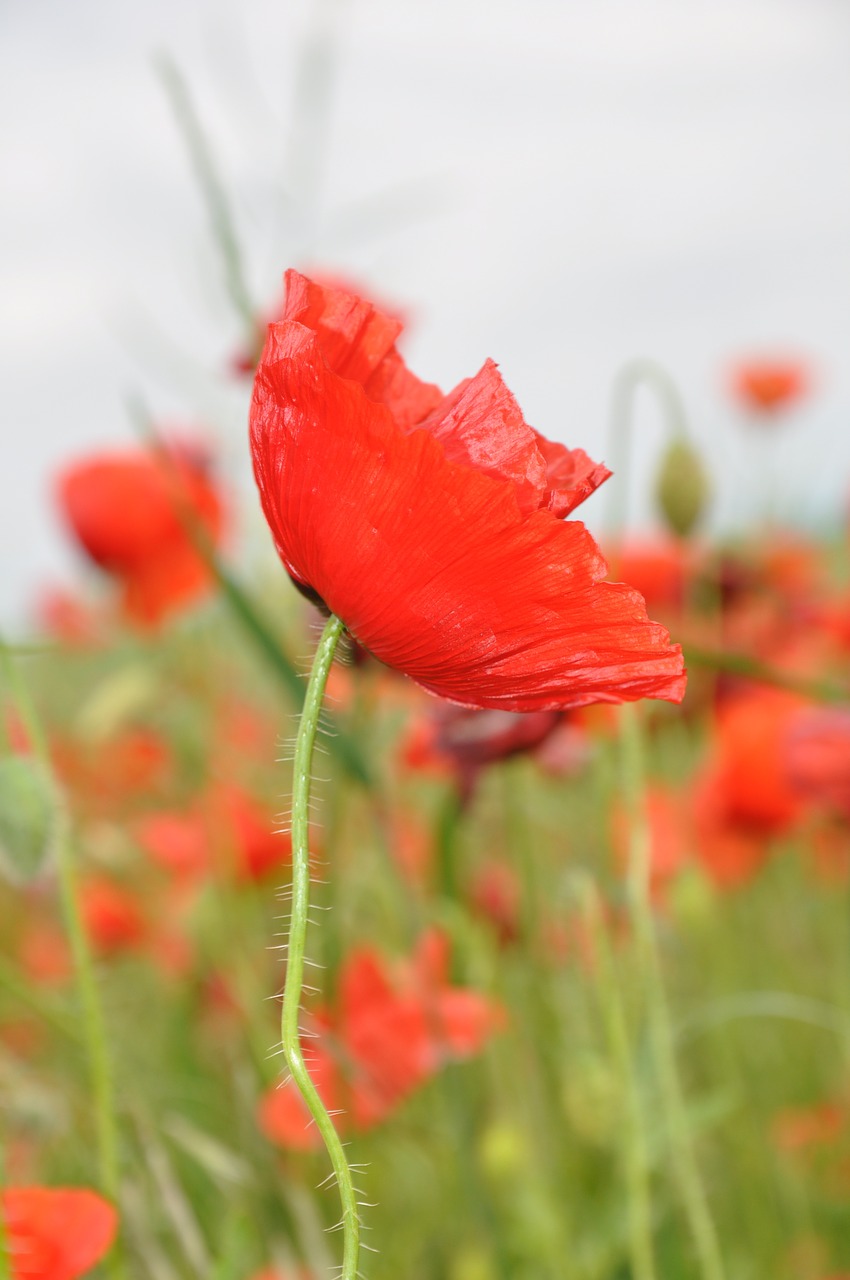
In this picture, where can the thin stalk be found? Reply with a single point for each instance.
(5, 1264)
(94, 1025)
(293, 986)
(631, 377)
(752, 668)
(694, 1199)
(636, 1153)
(212, 188)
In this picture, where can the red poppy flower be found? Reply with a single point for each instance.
(768, 385)
(391, 1030)
(434, 527)
(744, 797)
(124, 508)
(55, 1233)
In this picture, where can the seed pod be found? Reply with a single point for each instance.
(29, 818)
(682, 487)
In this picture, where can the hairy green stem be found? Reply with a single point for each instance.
(293, 986)
(694, 1199)
(93, 1023)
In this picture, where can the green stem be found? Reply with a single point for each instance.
(752, 668)
(212, 188)
(631, 377)
(94, 1025)
(5, 1264)
(688, 1176)
(636, 1153)
(293, 986)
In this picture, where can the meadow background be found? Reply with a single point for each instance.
(583, 981)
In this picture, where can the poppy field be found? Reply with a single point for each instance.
(512, 944)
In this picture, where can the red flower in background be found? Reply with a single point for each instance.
(768, 385)
(55, 1233)
(745, 796)
(126, 511)
(433, 526)
(391, 1030)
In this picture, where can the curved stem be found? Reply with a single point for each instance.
(293, 986)
(630, 378)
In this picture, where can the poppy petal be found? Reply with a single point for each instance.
(358, 342)
(432, 565)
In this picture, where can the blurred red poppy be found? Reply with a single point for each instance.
(390, 1030)
(766, 386)
(744, 796)
(55, 1233)
(126, 510)
(434, 526)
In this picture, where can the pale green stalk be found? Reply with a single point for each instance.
(636, 1152)
(293, 986)
(94, 1025)
(694, 1199)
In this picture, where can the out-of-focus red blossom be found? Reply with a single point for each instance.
(804, 1127)
(107, 775)
(462, 742)
(226, 832)
(392, 1028)
(65, 617)
(434, 526)
(818, 757)
(55, 1233)
(43, 951)
(127, 511)
(766, 386)
(494, 893)
(744, 796)
(112, 916)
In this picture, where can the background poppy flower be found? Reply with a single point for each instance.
(55, 1233)
(768, 385)
(442, 547)
(124, 508)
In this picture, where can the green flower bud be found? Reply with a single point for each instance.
(29, 817)
(682, 487)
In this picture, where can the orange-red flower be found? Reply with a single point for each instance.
(391, 1029)
(768, 385)
(434, 526)
(127, 509)
(55, 1233)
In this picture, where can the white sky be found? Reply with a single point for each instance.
(559, 184)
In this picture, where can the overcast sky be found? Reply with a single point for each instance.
(559, 184)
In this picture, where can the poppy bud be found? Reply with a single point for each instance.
(682, 488)
(29, 816)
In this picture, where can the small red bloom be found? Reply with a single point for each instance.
(112, 916)
(124, 508)
(768, 385)
(55, 1233)
(434, 526)
(392, 1029)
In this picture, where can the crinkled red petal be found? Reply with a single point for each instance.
(358, 342)
(432, 565)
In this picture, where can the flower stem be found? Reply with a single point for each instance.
(293, 986)
(94, 1026)
(636, 1162)
(693, 1194)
